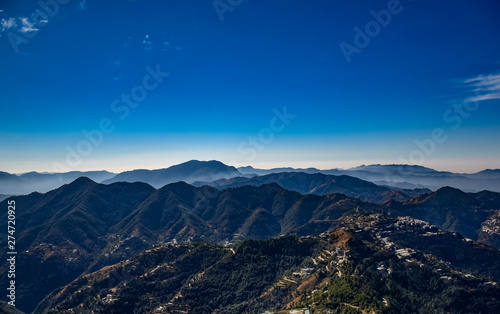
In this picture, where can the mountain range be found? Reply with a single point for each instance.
(414, 268)
(12, 184)
(317, 183)
(405, 176)
(396, 177)
(83, 226)
(188, 172)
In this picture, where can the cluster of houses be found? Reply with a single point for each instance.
(236, 238)
(333, 259)
(403, 224)
(109, 299)
(492, 225)
(406, 252)
(304, 272)
(339, 257)
(409, 223)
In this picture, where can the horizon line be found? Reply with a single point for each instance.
(254, 167)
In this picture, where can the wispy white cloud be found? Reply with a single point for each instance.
(491, 96)
(27, 26)
(485, 87)
(9, 23)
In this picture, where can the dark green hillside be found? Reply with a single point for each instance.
(386, 274)
(372, 264)
(84, 226)
(449, 209)
(198, 278)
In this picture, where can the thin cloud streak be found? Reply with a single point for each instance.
(485, 87)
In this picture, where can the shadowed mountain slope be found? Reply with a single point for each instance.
(405, 176)
(84, 225)
(189, 172)
(453, 210)
(322, 184)
(347, 270)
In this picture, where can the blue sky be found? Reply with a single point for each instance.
(233, 68)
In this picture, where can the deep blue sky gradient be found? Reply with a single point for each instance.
(227, 76)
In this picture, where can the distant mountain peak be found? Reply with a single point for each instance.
(84, 180)
(189, 172)
(176, 185)
(195, 162)
(81, 182)
(491, 170)
(446, 197)
(449, 190)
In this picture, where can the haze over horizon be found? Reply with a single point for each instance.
(126, 85)
(262, 167)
